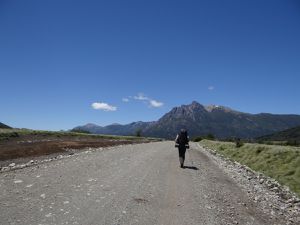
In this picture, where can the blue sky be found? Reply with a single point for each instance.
(57, 58)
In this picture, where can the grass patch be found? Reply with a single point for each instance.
(279, 162)
(6, 134)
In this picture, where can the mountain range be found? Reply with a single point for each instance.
(2, 125)
(291, 135)
(223, 122)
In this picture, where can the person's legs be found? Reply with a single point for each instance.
(181, 162)
(181, 155)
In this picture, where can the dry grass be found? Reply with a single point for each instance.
(279, 162)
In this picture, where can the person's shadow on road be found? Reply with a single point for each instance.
(190, 167)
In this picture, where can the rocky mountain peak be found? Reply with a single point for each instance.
(191, 112)
(90, 125)
(211, 108)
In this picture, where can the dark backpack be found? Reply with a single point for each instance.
(182, 138)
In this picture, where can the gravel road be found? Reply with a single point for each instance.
(132, 184)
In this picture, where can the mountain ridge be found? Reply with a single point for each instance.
(2, 125)
(291, 134)
(221, 121)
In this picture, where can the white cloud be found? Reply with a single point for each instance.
(211, 88)
(141, 97)
(103, 106)
(155, 103)
(125, 99)
(150, 101)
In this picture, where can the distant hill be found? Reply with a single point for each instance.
(115, 129)
(289, 135)
(200, 120)
(2, 125)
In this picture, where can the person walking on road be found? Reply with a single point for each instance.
(182, 142)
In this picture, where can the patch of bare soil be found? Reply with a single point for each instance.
(31, 146)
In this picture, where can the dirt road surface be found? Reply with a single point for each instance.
(131, 184)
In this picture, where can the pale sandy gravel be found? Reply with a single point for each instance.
(132, 184)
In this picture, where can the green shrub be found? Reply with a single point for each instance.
(238, 143)
(197, 139)
(14, 134)
(222, 148)
(138, 133)
(292, 143)
(81, 131)
(259, 150)
(229, 139)
(210, 137)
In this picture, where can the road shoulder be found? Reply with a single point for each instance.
(263, 193)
